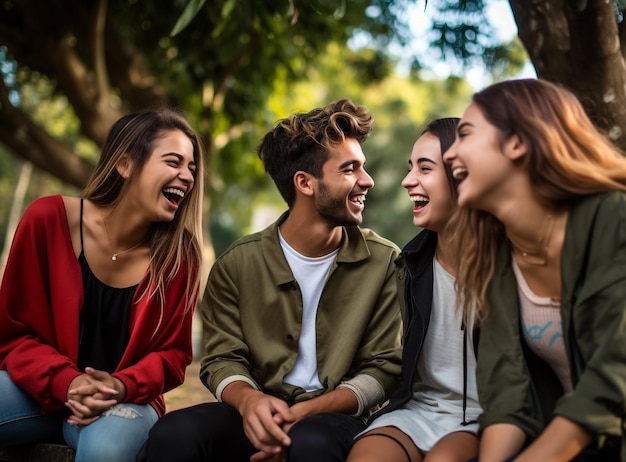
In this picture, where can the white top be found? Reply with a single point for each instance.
(543, 329)
(436, 408)
(440, 365)
(311, 274)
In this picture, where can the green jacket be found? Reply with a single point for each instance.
(252, 312)
(514, 385)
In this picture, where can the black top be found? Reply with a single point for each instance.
(104, 318)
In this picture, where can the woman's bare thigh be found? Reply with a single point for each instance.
(454, 447)
(388, 444)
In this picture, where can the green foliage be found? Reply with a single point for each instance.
(191, 10)
(464, 37)
(507, 59)
(237, 66)
(461, 32)
(52, 111)
(371, 66)
(236, 48)
(40, 184)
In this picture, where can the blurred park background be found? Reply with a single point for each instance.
(70, 68)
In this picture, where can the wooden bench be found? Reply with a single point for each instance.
(41, 452)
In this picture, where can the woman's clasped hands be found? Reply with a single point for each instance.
(92, 393)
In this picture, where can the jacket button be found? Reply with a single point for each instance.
(290, 338)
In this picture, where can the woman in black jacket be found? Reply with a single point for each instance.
(433, 417)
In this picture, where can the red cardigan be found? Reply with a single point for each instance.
(40, 300)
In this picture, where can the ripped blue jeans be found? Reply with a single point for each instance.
(117, 435)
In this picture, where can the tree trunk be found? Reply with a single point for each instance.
(577, 44)
(16, 211)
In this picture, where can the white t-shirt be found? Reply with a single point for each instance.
(311, 274)
(436, 408)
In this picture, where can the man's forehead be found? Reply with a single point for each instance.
(349, 152)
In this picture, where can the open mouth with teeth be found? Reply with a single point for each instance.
(419, 202)
(459, 173)
(358, 199)
(174, 195)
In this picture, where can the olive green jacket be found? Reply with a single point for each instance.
(514, 385)
(252, 314)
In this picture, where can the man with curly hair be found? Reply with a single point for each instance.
(302, 318)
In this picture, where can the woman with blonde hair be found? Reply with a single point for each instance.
(98, 294)
(541, 238)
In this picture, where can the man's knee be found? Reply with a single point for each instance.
(322, 437)
(311, 431)
(199, 433)
(176, 436)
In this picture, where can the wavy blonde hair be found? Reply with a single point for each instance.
(567, 158)
(172, 243)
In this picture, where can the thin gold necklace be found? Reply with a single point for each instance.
(539, 255)
(115, 255)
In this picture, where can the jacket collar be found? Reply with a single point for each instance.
(353, 248)
(417, 255)
(580, 221)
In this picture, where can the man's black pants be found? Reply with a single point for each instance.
(213, 432)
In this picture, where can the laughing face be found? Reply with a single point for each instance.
(340, 197)
(481, 161)
(427, 184)
(166, 178)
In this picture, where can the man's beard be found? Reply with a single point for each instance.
(335, 209)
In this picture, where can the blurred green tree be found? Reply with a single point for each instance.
(70, 68)
(95, 61)
(110, 57)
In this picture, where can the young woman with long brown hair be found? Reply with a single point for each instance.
(98, 293)
(541, 239)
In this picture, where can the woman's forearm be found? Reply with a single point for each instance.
(499, 442)
(561, 441)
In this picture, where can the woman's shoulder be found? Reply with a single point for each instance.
(611, 204)
(51, 212)
(425, 239)
(72, 209)
(598, 222)
(45, 207)
(614, 197)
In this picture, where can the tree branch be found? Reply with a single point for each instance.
(578, 48)
(542, 28)
(31, 142)
(99, 60)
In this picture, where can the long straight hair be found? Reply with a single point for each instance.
(567, 159)
(174, 243)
